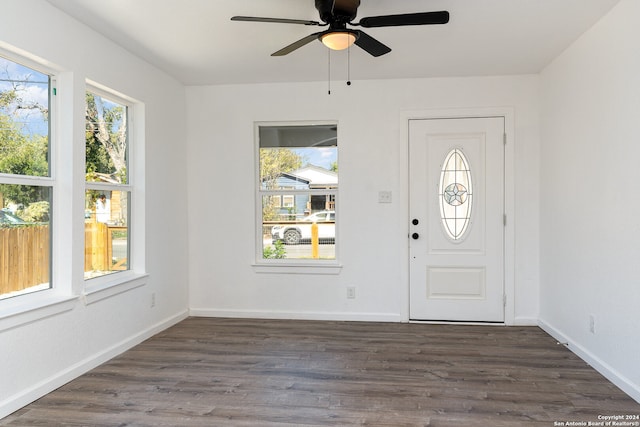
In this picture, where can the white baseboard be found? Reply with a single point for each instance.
(295, 315)
(19, 400)
(633, 390)
(357, 317)
(525, 321)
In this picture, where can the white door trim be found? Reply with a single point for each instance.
(509, 194)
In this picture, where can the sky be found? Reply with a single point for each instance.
(33, 89)
(319, 156)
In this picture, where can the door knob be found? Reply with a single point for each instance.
(415, 236)
(415, 221)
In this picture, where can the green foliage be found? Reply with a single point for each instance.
(8, 97)
(23, 149)
(36, 212)
(21, 154)
(277, 251)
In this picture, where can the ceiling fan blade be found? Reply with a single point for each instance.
(371, 45)
(296, 45)
(274, 20)
(424, 18)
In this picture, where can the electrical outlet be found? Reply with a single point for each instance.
(351, 292)
(592, 324)
(153, 299)
(384, 196)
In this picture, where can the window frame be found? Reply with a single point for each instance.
(290, 265)
(46, 181)
(100, 287)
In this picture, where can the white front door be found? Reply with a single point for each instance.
(456, 230)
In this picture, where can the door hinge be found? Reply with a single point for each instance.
(504, 300)
(504, 139)
(504, 219)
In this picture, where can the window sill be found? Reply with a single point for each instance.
(105, 287)
(30, 308)
(297, 268)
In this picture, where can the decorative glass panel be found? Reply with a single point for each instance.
(455, 194)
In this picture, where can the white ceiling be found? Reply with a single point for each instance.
(195, 41)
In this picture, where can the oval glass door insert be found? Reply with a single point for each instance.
(456, 194)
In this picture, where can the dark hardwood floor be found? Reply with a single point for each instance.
(238, 372)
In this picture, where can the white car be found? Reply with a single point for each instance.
(296, 233)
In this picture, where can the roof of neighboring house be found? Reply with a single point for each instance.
(294, 177)
(317, 176)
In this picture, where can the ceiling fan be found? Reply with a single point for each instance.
(337, 14)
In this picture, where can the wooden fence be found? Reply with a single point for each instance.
(25, 254)
(98, 248)
(24, 257)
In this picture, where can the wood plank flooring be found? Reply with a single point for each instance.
(239, 372)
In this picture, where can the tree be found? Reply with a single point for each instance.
(106, 139)
(20, 153)
(276, 161)
(273, 163)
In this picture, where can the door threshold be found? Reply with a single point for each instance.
(457, 322)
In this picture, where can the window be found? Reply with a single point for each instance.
(456, 194)
(297, 189)
(107, 189)
(26, 185)
(288, 201)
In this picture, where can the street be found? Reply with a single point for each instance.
(119, 248)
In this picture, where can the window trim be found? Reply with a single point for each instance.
(106, 286)
(290, 265)
(35, 306)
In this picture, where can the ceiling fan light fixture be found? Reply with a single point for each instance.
(338, 40)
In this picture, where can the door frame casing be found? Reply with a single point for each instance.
(509, 194)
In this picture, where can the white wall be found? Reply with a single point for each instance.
(372, 157)
(588, 259)
(40, 356)
(590, 110)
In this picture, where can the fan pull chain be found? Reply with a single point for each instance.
(329, 73)
(349, 66)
